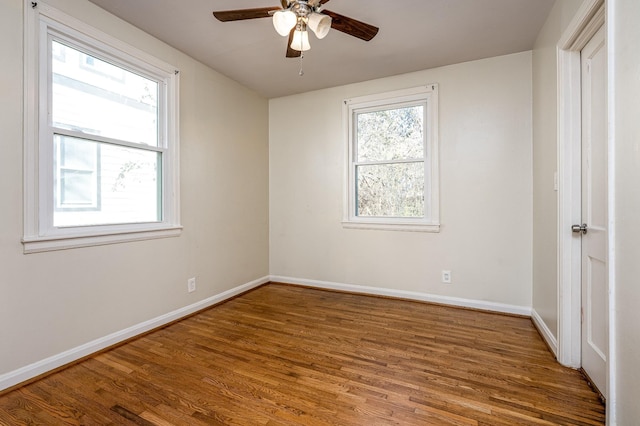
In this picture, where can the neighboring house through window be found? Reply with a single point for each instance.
(392, 151)
(77, 183)
(101, 137)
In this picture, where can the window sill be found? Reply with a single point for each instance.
(398, 226)
(43, 244)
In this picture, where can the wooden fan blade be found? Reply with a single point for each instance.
(351, 26)
(241, 14)
(292, 53)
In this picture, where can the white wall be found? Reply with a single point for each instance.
(52, 302)
(624, 16)
(486, 181)
(545, 159)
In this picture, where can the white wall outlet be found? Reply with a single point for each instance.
(446, 277)
(191, 285)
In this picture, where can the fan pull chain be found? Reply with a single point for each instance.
(301, 72)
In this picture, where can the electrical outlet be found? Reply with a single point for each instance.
(446, 277)
(191, 285)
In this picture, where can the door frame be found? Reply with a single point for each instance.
(585, 24)
(587, 21)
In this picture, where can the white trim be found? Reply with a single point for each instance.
(39, 232)
(585, 23)
(569, 207)
(40, 244)
(105, 39)
(30, 371)
(404, 294)
(547, 335)
(431, 222)
(612, 371)
(30, 122)
(412, 227)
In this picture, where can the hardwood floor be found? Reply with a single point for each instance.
(284, 355)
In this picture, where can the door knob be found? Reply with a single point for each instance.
(579, 228)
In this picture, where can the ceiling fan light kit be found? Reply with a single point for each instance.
(300, 15)
(300, 40)
(320, 24)
(284, 21)
(293, 18)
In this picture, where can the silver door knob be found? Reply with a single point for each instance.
(579, 228)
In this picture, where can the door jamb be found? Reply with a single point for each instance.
(589, 18)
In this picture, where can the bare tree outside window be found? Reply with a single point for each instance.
(392, 170)
(390, 153)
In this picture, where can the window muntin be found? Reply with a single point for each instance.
(101, 137)
(392, 170)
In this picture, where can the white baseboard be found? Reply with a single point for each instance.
(30, 371)
(547, 335)
(412, 295)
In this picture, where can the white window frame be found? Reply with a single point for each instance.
(426, 95)
(39, 232)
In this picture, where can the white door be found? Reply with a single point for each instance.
(595, 324)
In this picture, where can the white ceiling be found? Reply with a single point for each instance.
(414, 35)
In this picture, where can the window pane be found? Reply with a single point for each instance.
(392, 134)
(77, 188)
(96, 97)
(78, 154)
(390, 190)
(76, 165)
(126, 187)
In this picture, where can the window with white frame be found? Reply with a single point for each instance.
(101, 137)
(392, 152)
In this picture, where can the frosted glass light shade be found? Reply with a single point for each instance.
(320, 24)
(300, 41)
(283, 21)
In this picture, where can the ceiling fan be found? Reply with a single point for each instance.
(295, 16)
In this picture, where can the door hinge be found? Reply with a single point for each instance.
(581, 315)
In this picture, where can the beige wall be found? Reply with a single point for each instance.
(624, 16)
(55, 301)
(52, 302)
(545, 156)
(486, 200)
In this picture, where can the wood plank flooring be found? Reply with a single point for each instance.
(284, 355)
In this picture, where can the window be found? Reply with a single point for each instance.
(101, 137)
(392, 151)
